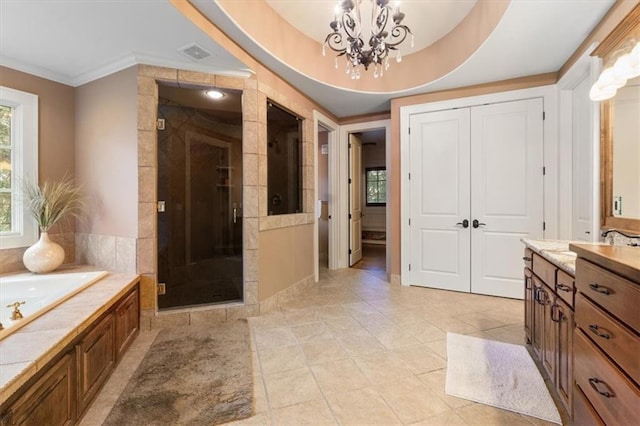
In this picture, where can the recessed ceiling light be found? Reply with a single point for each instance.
(214, 94)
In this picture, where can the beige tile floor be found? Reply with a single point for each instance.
(355, 349)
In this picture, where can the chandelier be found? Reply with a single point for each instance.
(347, 38)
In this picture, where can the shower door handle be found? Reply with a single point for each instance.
(235, 214)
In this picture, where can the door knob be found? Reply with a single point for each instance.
(464, 223)
(477, 224)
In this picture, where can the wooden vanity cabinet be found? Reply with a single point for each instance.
(528, 304)
(551, 322)
(62, 391)
(607, 334)
(564, 318)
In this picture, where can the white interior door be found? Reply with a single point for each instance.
(506, 192)
(439, 191)
(582, 162)
(355, 199)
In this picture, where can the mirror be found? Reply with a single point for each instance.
(621, 158)
(625, 134)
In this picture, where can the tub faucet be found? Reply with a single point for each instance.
(16, 314)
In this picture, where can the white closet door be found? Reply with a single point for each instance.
(582, 162)
(439, 192)
(506, 192)
(355, 200)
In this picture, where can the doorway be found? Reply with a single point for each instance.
(368, 200)
(200, 197)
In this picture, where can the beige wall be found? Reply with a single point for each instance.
(55, 147)
(107, 153)
(285, 257)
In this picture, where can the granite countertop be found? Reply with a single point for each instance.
(27, 350)
(556, 252)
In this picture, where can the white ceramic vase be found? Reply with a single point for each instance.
(44, 256)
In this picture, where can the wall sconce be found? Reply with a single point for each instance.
(624, 65)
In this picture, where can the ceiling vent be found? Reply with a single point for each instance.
(195, 52)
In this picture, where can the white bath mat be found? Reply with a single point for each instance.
(498, 374)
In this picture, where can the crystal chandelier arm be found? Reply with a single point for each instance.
(334, 41)
(380, 22)
(398, 34)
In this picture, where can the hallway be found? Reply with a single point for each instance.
(355, 349)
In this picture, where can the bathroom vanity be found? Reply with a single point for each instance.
(549, 311)
(582, 319)
(607, 335)
(52, 368)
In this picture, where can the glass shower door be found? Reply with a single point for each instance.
(200, 202)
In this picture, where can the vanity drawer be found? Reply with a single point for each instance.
(612, 395)
(545, 270)
(583, 412)
(565, 287)
(615, 294)
(611, 336)
(528, 258)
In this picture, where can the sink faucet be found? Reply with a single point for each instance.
(606, 233)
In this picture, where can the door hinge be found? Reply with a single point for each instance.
(544, 115)
(349, 145)
(349, 215)
(409, 222)
(544, 171)
(349, 181)
(544, 226)
(349, 251)
(409, 266)
(409, 176)
(409, 130)
(162, 289)
(160, 124)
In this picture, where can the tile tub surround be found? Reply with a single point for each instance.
(556, 252)
(25, 352)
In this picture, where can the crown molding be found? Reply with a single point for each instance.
(119, 64)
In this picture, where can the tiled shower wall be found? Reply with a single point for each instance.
(255, 219)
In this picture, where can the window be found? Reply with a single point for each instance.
(284, 161)
(376, 181)
(18, 163)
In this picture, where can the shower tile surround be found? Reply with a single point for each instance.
(255, 219)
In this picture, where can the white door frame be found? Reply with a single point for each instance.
(341, 214)
(585, 67)
(320, 119)
(549, 94)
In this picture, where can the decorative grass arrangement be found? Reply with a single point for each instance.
(53, 201)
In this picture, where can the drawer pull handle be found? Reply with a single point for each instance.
(600, 289)
(526, 259)
(595, 329)
(594, 382)
(563, 287)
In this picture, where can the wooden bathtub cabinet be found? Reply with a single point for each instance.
(96, 359)
(50, 400)
(61, 392)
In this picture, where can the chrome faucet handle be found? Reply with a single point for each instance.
(16, 314)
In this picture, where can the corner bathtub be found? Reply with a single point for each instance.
(40, 294)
